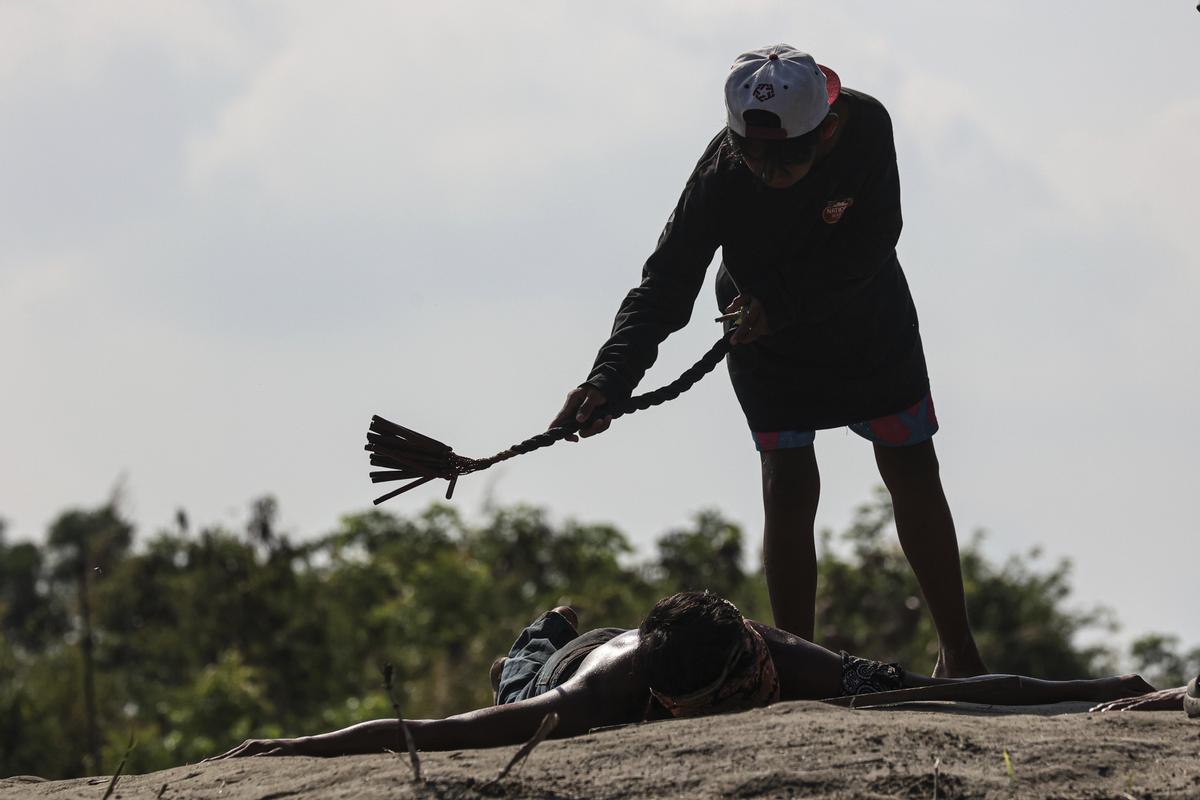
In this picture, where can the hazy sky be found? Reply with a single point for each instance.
(229, 233)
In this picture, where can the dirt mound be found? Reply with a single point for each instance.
(787, 750)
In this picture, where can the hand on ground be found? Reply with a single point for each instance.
(261, 747)
(1163, 700)
(578, 408)
(753, 322)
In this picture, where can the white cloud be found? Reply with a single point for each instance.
(55, 42)
(227, 224)
(453, 109)
(1140, 176)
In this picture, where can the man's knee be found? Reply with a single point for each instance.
(901, 465)
(790, 477)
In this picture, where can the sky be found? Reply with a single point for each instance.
(232, 232)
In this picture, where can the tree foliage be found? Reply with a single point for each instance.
(869, 601)
(203, 638)
(1158, 657)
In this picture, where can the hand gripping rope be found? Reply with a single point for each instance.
(404, 453)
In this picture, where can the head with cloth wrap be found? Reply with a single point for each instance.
(701, 656)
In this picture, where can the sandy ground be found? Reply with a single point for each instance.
(787, 750)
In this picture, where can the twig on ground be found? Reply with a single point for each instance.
(937, 770)
(112, 785)
(1008, 767)
(161, 791)
(549, 723)
(404, 734)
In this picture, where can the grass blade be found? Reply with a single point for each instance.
(404, 733)
(549, 723)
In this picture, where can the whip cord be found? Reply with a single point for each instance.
(407, 454)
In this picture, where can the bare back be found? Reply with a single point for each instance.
(612, 676)
(610, 682)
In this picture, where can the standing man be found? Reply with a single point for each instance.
(800, 192)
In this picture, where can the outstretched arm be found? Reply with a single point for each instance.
(484, 727)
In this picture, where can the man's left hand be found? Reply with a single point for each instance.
(263, 747)
(751, 316)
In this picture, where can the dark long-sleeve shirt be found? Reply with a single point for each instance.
(820, 256)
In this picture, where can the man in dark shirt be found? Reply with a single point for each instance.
(801, 193)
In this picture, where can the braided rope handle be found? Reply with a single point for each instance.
(690, 377)
(405, 454)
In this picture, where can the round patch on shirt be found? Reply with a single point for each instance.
(834, 210)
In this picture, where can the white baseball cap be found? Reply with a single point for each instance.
(784, 81)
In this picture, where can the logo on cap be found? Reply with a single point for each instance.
(834, 210)
(764, 92)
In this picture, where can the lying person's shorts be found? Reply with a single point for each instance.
(545, 656)
(863, 676)
(913, 425)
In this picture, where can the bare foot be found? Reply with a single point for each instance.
(497, 668)
(964, 662)
(1132, 686)
(570, 615)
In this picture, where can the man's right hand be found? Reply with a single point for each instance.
(580, 404)
(1162, 700)
(263, 747)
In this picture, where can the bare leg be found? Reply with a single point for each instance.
(926, 531)
(1035, 691)
(809, 671)
(791, 488)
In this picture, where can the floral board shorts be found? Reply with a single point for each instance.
(913, 425)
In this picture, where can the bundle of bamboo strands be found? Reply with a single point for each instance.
(404, 454)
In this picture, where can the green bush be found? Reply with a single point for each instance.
(204, 639)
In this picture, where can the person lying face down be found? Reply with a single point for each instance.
(684, 638)
(694, 654)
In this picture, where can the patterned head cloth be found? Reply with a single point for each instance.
(748, 680)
